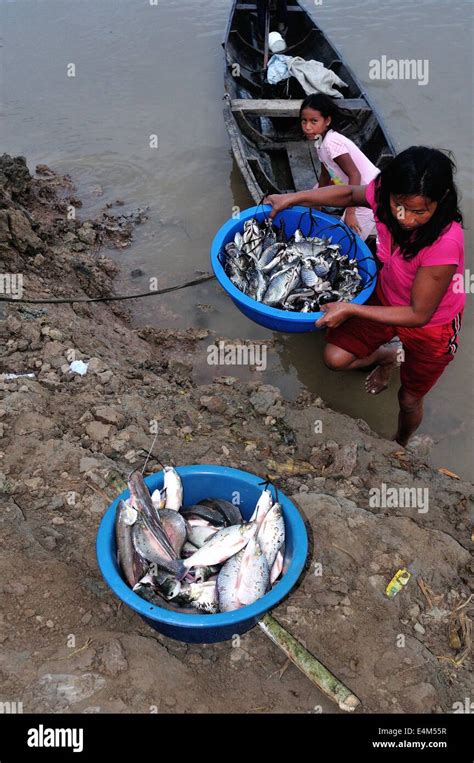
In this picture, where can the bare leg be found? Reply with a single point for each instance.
(410, 416)
(385, 357)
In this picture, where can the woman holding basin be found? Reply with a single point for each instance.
(420, 247)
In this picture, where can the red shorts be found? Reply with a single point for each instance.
(427, 350)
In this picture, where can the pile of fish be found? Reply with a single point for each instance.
(203, 558)
(300, 273)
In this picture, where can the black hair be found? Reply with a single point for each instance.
(418, 171)
(328, 108)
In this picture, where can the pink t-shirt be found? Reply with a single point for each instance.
(336, 144)
(397, 275)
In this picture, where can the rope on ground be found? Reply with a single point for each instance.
(69, 300)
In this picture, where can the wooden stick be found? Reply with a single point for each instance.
(267, 32)
(425, 591)
(309, 665)
(99, 491)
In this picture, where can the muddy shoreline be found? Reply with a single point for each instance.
(68, 440)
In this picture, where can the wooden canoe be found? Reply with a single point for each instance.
(262, 120)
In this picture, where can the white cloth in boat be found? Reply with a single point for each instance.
(312, 75)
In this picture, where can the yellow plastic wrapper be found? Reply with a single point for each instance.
(396, 584)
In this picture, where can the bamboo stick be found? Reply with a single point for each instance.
(309, 665)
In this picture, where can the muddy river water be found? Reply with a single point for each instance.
(146, 70)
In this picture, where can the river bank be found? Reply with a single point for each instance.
(68, 441)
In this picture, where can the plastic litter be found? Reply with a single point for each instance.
(78, 367)
(9, 377)
(399, 580)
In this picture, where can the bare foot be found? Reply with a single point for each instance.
(378, 380)
(403, 441)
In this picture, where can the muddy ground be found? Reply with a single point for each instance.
(68, 440)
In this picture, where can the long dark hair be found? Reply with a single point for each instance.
(418, 171)
(328, 107)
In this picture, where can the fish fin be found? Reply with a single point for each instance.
(180, 569)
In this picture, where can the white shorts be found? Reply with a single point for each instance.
(365, 218)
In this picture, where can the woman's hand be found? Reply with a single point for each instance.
(279, 202)
(350, 219)
(335, 313)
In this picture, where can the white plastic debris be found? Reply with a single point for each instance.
(78, 367)
(9, 377)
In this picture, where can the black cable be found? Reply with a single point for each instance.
(65, 300)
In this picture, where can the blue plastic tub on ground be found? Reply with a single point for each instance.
(201, 481)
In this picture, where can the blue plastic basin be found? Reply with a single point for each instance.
(296, 217)
(202, 481)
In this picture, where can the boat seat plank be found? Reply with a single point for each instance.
(299, 157)
(281, 107)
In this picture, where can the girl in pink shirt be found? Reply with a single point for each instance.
(419, 296)
(342, 162)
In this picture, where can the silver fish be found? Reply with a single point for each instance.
(221, 546)
(239, 260)
(254, 574)
(236, 276)
(173, 488)
(188, 549)
(227, 583)
(269, 235)
(132, 564)
(199, 534)
(252, 238)
(308, 248)
(271, 534)
(277, 567)
(319, 264)
(308, 276)
(277, 260)
(269, 254)
(140, 498)
(320, 267)
(257, 284)
(149, 547)
(297, 294)
(262, 507)
(280, 286)
(175, 528)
